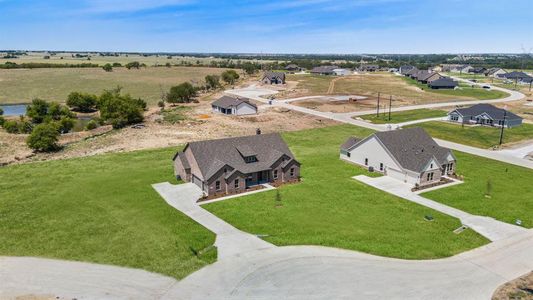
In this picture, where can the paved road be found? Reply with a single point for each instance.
(490, 228)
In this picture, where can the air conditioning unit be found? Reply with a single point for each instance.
(370, 169)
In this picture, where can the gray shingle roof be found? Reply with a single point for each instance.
(184, 161)
(228, 102)
(212, 155)
(494, 112)
(349, 143)
(444, 82)
(413, 148)
(515, 75)
(324, 69)
(274, 75)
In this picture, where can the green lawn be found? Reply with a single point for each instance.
(477, 136)
(404, 116)
(464, 91)
(511, 196)
(329, 208)
(100, 209)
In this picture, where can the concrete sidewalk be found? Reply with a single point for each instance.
(490, 228)
(230, 241)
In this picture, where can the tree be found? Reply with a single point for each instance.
(119, 109)
(108, 68)
(37, 110)
(278, 199)
(183, 93)
(230, 76)
(82, 102)
(133, 64)
(2, 120)
(44, 137)
(212, 81)
(249, 68)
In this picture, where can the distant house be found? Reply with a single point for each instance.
(494, 72)
(455, 68)
(409, 155)
(411, 72)
(342, 72)
(369, 68)
(427, 77)
(443, 83)
(484, 114)
(404, 69)
(324, 70)
(293, 68)
(234, 165)
(234, 106)
(515, 76)
(477, 70)
(273, 78)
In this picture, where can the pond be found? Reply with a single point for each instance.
(14, 110)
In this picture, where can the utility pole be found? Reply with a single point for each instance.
(503, 125)
(390, 105)
(377, 113)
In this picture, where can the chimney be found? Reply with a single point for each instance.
(258, 131)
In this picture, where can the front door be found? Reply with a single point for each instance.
(259, 176)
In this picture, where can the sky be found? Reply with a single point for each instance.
(269, 26)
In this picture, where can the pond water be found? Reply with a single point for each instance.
(14, 110)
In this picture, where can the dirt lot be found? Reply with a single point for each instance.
(200, 124)
(521, 288)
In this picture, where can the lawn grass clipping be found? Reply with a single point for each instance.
(329, 208)
(511, 197)
(404, 116)
(100, 209)
(476, 136)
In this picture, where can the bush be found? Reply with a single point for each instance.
(91, 125)
(230, 76)
(81, 101)
(108, 68)
(65, 124)
(2, 120)
(212, 81)
(11, 126)
(133, 64)
(183, 93)
(44, 137)
(117, 65)
(161, 104)
(41, 111)
(120, 110)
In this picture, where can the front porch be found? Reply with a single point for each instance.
(258, 178)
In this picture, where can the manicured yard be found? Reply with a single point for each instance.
(404, 116)
(511, 196)
(464, 91)
(477, 136)
(329, 208)
(100, 209)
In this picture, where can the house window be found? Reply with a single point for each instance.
(431, 166)
(292, 172)
(250, 159)
(217, 185)
(275, 174)
(366, 161)
(348, 154)
(381, 166)
(430, 177)
(236, 183)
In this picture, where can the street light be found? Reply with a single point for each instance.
(503, 125)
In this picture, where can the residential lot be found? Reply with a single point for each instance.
(511, 195)
(404, 116)
(22, 85)
(100, 209)
(477, 136)
(329, 208)
(464, 90)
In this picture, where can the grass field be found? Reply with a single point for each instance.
(404, 116)
(22, 85)
(312, 84)
(465, 90)
(477, 136)
(100, 209)
(511, 197)
(329, 208)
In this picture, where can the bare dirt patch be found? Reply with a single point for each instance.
(520, 288)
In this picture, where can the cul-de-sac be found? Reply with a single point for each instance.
(266, 150)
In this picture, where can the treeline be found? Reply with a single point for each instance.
(29, 65)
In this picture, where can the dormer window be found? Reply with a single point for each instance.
(250, 159)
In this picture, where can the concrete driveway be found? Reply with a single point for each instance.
(490, 228)
(230, 241)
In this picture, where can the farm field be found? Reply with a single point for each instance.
(100, 209)
(328, 208)
(477, 136)
(404, 116)
(22, 85)
(511, 195)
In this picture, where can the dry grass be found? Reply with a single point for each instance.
(22, 85)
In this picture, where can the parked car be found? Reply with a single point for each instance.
(486, 87)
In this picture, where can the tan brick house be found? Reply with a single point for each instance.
(234, 165)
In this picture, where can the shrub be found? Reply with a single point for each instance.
(41, 111)
(108, 68)
(230, 76)
(44, 137)
(120, 110)
(161, 103)
(212, 81)
(91, 125)
(65, 124)
(133, 64)
(117, 65)
(183, 93)
(11, 126)
(82, 102)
